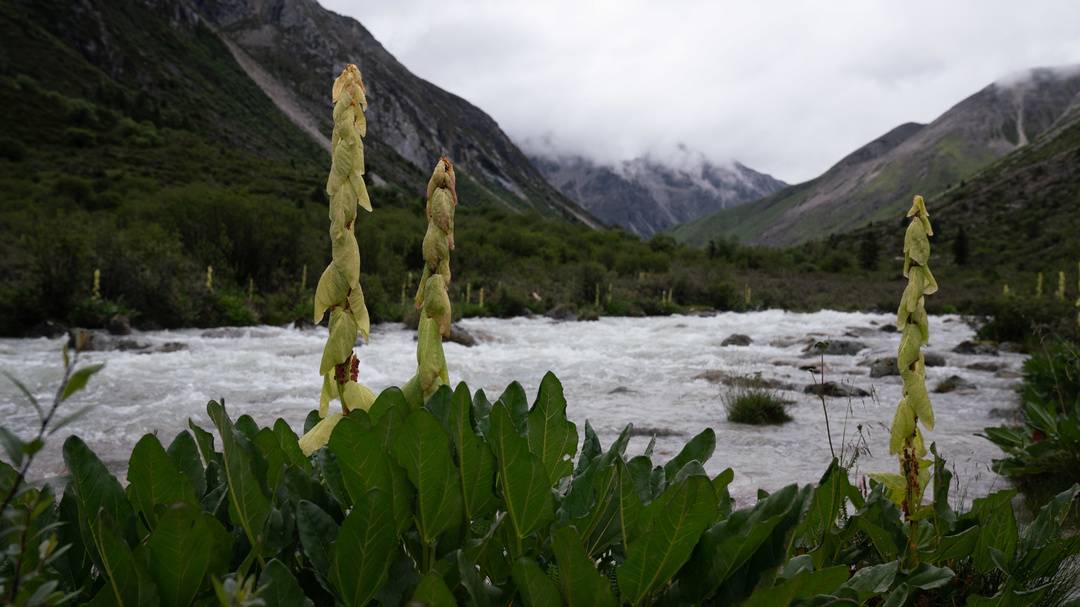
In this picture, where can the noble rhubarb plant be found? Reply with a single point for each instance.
(339, 286)
(432, 298)
(914, 409)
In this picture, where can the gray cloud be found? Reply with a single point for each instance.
(784, 87)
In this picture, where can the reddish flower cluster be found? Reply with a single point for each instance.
(353, 366)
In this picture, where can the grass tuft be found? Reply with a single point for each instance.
(755, 404)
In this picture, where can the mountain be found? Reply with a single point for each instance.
(294, 48)
(874, 181)
(646, 196)
(258, 74)
(1002, 224)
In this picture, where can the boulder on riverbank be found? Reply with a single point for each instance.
(563, 312)
(831, 388)
(119, 325)
(979, 348)
(47, 328)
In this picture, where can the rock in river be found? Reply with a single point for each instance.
(737, 339)
(831, 388)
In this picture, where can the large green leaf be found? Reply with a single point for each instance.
(803, 585)
(517, 404)
(475, 462)
(185, 548)
(590, 449)
(735, 553)
(366, 464)
(273, 455)
(154, 480)
(248, 504)
(185, 455)
(96, 490)
(480, 591)
(871, 581)
(699, 448)
(127, 583)
(315, 528)
(956, 546)
(432, 592)
(587, 487)
(828, 503)
(74, 566)
(581, 583)
(522, 479)
(279, 588)
(535, 587)
(997, 530)
(363, 550)
(552, 437)
(1048, 523)
(880, 520)
(290, 445)
(205, 442)
(677, 520)
(630, 506)
(422, 448)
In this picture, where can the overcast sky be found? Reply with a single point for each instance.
(784, 87)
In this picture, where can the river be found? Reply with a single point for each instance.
(614, 371)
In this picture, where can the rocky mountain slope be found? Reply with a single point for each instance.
(646, 196)
(294, 48)
(874, 181)
(257, 74)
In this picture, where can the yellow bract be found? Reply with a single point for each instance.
(914, 407)
(432, 297)
(339, 285)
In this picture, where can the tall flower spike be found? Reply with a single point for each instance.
(906, 440)
(339, 286)
(432, 298)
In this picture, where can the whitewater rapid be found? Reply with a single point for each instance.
(614, 371)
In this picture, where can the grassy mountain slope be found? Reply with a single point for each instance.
(911, 158)
(301, 47)
(1004, 224)
(133, 143)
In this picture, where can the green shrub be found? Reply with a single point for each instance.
(95, 312)
(80, 137)
(756, 405)
(12, 149)
(231, 308)
(1026, 321)
(1043, 454)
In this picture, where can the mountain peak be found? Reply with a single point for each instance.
(648, 194)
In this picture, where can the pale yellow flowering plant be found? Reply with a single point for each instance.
(914, 408)
(339, 290)
(432, 297)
